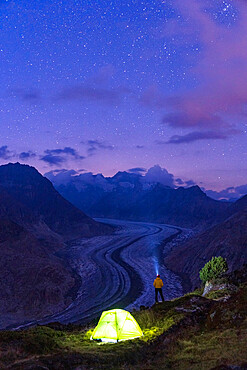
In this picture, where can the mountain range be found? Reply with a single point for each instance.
(221, 227)
(130, 196)
(35, 223)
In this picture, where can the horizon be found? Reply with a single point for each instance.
(155, 174)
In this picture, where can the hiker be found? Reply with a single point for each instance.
(158, 284)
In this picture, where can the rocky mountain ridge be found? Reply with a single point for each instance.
(130, 196)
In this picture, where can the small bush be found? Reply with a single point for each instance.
(213, 269)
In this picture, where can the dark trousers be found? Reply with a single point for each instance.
(158, 291)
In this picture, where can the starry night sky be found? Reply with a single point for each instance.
(104, 86)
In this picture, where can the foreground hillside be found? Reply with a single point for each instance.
(191, 332)
(227, 239)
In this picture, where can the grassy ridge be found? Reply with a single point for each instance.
(191, 332)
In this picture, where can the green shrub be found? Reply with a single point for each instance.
(213, 269)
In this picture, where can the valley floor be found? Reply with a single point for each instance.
(118, 270)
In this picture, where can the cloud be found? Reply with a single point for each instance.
(179, 181)
(95, 145)
(97, 88)
(161, 175)
(231, 193)
(139, 146)
(26, 94)
(222, 69)
(192, 119)
(190, 183)
(108, 96)
(104, 74)
(63, 176)
(81, 170)
(27, 155)
(153, 97)
(137, 170)
(66, 150)
(53, 159)
(199, 135)
(218, 73)
(185, 184)
(59, 156)
(58, 171)
(51, 156)
(5, 153)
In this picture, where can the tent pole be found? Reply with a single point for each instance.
(116, 324)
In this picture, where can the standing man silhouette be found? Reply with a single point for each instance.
(158, 284)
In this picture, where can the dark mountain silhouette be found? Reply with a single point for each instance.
(12, 209)
(128, 196)
(227, 239)
(239, 205)
(34, 282)
(35, 222)
(183, 207)
(35, 193)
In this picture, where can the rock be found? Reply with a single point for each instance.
(182, 309)
(212, 315)
(208, 287)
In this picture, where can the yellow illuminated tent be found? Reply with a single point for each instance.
(116, 325)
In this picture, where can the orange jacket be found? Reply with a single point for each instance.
(158, 283)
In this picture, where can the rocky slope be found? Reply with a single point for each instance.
(227, 239)
(34, 282)
(36, 193)
(239, 205)
(35, 223)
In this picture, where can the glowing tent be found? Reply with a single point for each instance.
(116, 325)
